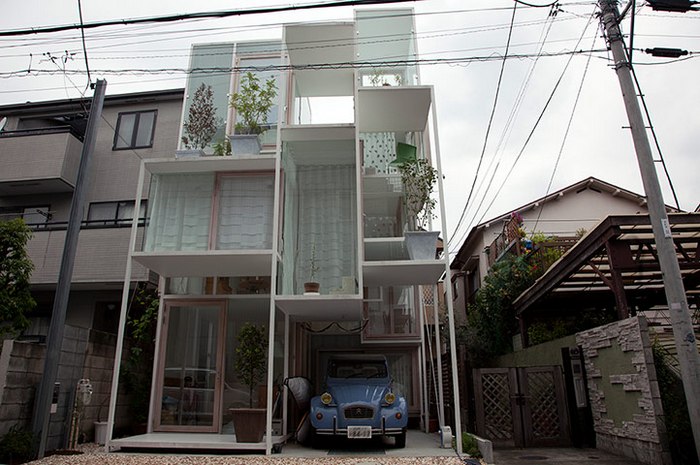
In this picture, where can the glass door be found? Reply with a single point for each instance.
(189, 372)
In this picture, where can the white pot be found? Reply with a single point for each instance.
(189, 153)
(421, 245)
(100, 432)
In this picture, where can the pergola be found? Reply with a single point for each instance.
(613, 265)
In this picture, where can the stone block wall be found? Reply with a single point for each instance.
(84, 354)
(624, 392)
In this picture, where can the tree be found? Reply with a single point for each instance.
(201, 124)
(251, 358)
(15, 273)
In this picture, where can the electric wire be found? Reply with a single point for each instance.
(508, 127)
(566, 134)
(529, 137)
(490, 122)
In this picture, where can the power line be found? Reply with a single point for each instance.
(200, 15)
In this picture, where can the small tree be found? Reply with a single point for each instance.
(251, 364)
(201, 124)
(418, 178)
(253, 102)
(15, 273)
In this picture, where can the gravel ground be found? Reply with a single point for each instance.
(95, 455)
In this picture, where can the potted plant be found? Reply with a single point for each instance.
(312, 287)
(251, 367)
(418, 178)
(17, 445)
(252, 103)
(201, 124)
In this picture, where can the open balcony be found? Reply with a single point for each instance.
(39, 161)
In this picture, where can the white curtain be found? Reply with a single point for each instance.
(246, 206)
(327, 225)
(180, 212)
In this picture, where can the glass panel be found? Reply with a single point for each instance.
(382, 35)
(245, 212)
(102, 211)
(126, 130)
(208, 56)
(401, 370)
(269, 137)
(190, 366)
(391, 312)
(143, 135)
(36, 215)
(180, 212)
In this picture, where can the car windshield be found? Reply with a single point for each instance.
(357, 369)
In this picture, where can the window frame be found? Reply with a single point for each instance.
(116, 220)
(134, 135)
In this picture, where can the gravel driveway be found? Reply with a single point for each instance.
(94, 455)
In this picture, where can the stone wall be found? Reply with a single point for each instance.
(84, 354)
(623, 391)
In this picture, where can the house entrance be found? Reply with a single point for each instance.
(521, 407)
(188, 382)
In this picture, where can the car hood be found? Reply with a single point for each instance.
(373, 394)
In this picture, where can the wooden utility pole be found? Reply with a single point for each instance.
(688, 357)
(40, 424)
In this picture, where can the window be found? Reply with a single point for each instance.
(114, 213)
(135, 130)
(33, 216)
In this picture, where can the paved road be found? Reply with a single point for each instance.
(558, 456)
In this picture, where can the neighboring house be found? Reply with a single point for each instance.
(564, 216)
(235, 238)
(41, 147)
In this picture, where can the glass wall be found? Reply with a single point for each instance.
(204, 59)
(390, 312)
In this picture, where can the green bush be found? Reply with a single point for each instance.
(17, 446)
(470, 445)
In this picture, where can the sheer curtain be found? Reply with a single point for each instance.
(327, 225)
(246, 206)
(180, 212)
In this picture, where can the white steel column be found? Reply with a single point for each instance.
(448, 285)
(285, 375)
(156, 353)
(124, 307)
(438, 355)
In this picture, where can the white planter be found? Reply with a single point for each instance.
(100, 432)
(189, 153)
(245, 144)
(421, 245)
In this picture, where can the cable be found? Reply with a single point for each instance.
(536, 6)
(82, 35)
(566, 133)
(200, 15)
(488, 126)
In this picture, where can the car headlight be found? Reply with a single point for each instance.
(326, 398)
(389, 398)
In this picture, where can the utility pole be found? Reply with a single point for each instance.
(60, 304)
(683, 334)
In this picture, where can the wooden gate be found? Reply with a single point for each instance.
(522, 407)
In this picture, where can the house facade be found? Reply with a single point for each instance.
(234, 238)
(41, 145)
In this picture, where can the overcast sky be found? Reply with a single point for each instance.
(597, 143)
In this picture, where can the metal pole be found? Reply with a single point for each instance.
(683, 334)
(40, 424)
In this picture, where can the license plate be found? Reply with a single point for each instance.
(359, 432)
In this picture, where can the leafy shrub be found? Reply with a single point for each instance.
(17, 446)
(470, 445)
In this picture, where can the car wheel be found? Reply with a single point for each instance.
(400, 440)
(314, 440)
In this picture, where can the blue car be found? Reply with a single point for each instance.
(358, 402)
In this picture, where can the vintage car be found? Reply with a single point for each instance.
(358, 401)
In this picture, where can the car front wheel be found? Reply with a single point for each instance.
(400, 440)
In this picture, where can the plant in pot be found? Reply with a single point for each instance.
(418, 178)
(17, 445)
(312, 287)
(138, 365)
(250, 367)
(252, 103)
(201, 124)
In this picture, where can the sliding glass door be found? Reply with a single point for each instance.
(189, 373)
